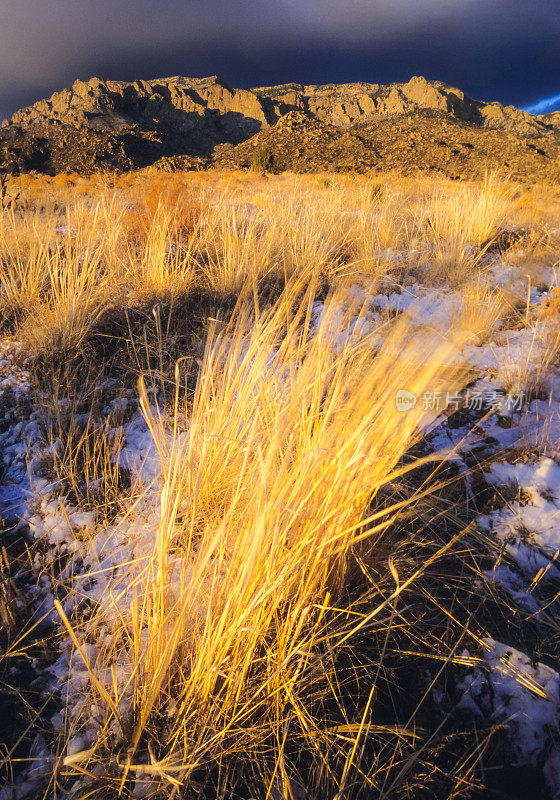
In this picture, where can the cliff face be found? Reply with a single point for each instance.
(189, 104)
(199, 113)
(110, 105)
(116, 125)
(344, 105)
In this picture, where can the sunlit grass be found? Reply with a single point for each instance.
(267, 489)
(272, 542)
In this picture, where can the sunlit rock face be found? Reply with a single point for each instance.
(114, 125)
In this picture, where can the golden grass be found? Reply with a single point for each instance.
(235, 624)
(274, 459)
(75, 247)
(84, 457)
(483, 307)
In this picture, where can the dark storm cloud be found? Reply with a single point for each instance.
(505, 49)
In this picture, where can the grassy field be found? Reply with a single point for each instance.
(244, 570)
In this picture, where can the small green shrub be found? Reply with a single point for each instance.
(323, 182)
(262, 160)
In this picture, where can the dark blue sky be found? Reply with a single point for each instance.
(507, 50)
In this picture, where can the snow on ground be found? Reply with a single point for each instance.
(527, 529)
(96, 558)
(18, 430)
(525, 697)
(509, 689)
(524, 525)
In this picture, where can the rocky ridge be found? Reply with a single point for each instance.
(104, 125)
(421, 140)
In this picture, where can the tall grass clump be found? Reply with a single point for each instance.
(470, 214)
(54, 290)
(228, 634)
(457, 226)
(161, 266)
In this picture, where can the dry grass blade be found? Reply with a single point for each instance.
(264, 491)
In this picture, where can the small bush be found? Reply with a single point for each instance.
(262, 160)
(7, 201)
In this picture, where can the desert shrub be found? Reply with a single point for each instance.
(376, 190)
(7, 199)
(167, 198)
(262, 160)
(183, 204)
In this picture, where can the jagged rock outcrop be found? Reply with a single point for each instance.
(194, 114)
(114, 105)
(101, 125)
(552, 119)
(351, 103)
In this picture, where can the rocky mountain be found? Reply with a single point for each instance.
(421, 140)
(113, 125)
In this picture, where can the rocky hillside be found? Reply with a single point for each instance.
(420, 140)
(104, 125)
